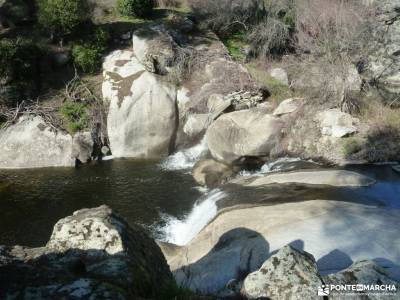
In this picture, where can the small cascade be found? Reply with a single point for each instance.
(186, 159)
(181, 232)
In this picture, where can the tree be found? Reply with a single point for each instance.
(61, 17)
(135, 8)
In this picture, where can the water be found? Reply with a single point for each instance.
(181, 231)
(164, 199)
(186, 159)
(32, 201)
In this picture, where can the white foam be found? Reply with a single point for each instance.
(108, 157)
(181, 232)
(187, 158)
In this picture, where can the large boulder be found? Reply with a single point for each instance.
(289, 274)
(93, 254)
(142, 117)
(82, 147)
(155, 48)
(31, 143)
(246, 133)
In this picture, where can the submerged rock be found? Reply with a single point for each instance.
(93, 254)
(327, 177)
(31, 143)
(211, 173)
(289, 274)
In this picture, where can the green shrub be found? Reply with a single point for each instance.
(62, 17)
(16, 10)
(135, 8)
(87, 58)
(351, 146)
(76, 114)
(235, 44)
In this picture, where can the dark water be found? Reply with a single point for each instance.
(32, 201)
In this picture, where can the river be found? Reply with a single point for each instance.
(164, 199)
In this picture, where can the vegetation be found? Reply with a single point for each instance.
(19, 67)
(62, 17)
(76, 115)
(135, 8)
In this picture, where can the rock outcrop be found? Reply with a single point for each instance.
(142, 117)
(93, 254)
(246, 133)
(289, 274)
(30, 143)
(336, 123)
(384, 62)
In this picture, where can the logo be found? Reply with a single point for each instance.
(323, 290)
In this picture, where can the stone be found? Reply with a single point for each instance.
(321, 227)
(339, 178)
(280, 75)
(365, 272)
(93, 254)
(288, 274)
(82, 147)
(142, 116)
(155, 48)
(197, 124)
(30, 143)
(211, 173)
(288, 106)
(336, 123)
(246, 133)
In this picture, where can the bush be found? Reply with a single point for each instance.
(135, 8)
(87, 55)
(87, 58)
(76, 115)
(228, 16)
(62, 17)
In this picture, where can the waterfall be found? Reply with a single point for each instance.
(181, 232)
(186, 159)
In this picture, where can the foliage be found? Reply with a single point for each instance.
(76, 114)
(16, 10)
(278, 90)
(235, 44)
(62, 17)
(19, 69)
(135, 8)
(87, 55)
(351, 146)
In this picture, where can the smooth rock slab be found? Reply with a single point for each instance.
(327, 177)
(335, 232)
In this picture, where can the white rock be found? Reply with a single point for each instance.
(30, 143)
(280, 75)
(243, 133)
(288, 106)
(336, 123)
(142, 114)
